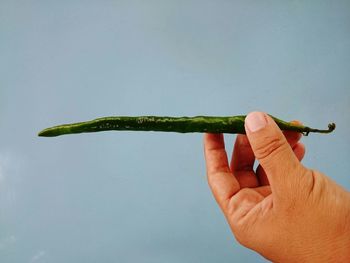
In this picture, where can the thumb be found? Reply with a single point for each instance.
(272, 150)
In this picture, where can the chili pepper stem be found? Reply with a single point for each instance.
(331, 127)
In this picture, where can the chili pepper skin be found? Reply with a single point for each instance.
(202, 124)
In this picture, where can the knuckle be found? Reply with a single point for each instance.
(237, 201)
(270, 145)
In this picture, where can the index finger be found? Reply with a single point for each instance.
(220, 178)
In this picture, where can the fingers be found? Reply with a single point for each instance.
(221, 181)
(242, 203)
(299, 151)
(242, 163)
(291, 136)
(264, 190)
(243, 156)
(273, 152)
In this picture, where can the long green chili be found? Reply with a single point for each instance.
(209, 124)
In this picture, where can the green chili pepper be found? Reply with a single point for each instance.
(209, 124)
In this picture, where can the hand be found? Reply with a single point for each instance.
(283, 210)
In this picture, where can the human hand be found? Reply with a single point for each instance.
(283, 210)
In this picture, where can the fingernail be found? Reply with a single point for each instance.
(255, 121)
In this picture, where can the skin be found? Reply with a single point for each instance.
(283, 210)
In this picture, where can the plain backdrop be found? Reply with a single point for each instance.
(143, 197)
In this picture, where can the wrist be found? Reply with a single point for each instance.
(334, 250)
(340, 250)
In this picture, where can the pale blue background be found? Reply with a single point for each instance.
(143, 197)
